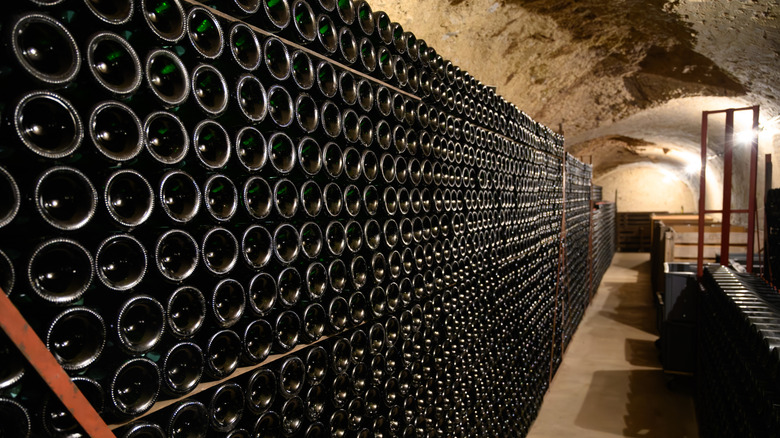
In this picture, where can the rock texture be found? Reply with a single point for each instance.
(624, 80)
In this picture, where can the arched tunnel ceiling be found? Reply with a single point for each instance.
(625, 80)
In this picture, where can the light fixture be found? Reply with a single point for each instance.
(744, 137)
(693, 168)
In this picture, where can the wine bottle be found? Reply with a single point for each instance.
(358, 271)
(287, 330)
(291, 377)
(314, 317)
(303, 29)
(252, 100)
(238, 433)
(223, 350)
(341, 356)
(120, 262)
(261, 390)
(221, 197)
(369, 163)
(10, 201)
(44, 49)
(228, 302)
(251, 148)
(113, 63)
(310, 160)
(258, 198)
(15, 420)
(335, 237)
(316, 281)
(188, 418)
(211, 144)
(339, 423)
(60, 271)
(226, 407)
(338, 314)
(176, 255)
(358, 305)
(185, 312)
(311, 240)
(315, 402)
(167, 77)
(165, 18)
(281, 152)
(316, 430)
(139, 324)
(258, 341)
(133, 387)
(58, 421)
(365, 93)
(327, 85)
(364, 17)
(204, 32)
(115, 131)
(13, 366)
(244, 46)
(277, 58)
(165, 137)
(285, 198)
(181, 369)
(303, 73)
(327, 35)
(289, 287)
(48, 124)
(385, 63)
(220, 251)
(350, 123)
(378, 302)
(274, 16)
(65, 198)
(280, 106)
(268, 423)
(383, 30)
(352, 206)
(210, 90)
(306, 113)
(333, 161)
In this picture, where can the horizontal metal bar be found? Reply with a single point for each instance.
(747, 108)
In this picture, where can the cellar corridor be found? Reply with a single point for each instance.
(610, 382)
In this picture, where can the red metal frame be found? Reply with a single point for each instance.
(726, 210)
(31, 346)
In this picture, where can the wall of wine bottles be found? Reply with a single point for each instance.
(738, 356)
(277, 217)
(604, 244)
(575, 287)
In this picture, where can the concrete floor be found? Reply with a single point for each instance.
(610, 382)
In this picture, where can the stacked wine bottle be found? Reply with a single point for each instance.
(738, 356)
(575, 290)
(604, 243)
(248, 218)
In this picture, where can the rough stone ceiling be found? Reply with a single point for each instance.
(623, 79)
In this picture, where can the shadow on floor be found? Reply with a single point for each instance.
(629, 403)
(642, 353)
(631, 307)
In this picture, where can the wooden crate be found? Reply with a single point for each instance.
(634, 231)
(675, 239)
